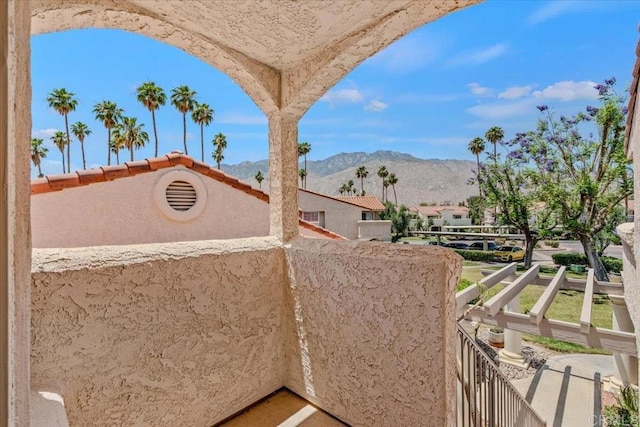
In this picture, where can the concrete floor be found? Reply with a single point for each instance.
(283, 409)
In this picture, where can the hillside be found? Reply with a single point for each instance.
(419, 180)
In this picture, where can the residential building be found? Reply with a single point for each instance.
(172, 198)
(441, 216)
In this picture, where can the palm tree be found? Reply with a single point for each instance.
(477, 146)
(202, 115)
(383, 173)
(109, 114)
(117, 142)
(64, 102)
(220, 144)
(393, 180)
(342, 189)
(385, 186)
(38, 152)
(259, 177)
(132, 135)
(183, 99)
(303, 149)
(152, 97)
(80, 130)
(60, 140)
(362, 173)
(351, 187)
(494, 135)
(302, 174)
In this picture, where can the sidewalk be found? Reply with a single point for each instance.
(566, 391)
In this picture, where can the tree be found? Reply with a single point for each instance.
(81, 131)
(351, 187)
(494, 135)
(477, 146)
(385, 187)
(476, 209)
(342, 189)
(219, 144)
(383, 173)
(183, 99)
(361, 174)
(131, 134)
(64, 102)
(583, 178)
(60, 140)
(109, 114)
(304, 148)
(38, 152)
(302, 174)
(202, 115)
(399, 220)
(259, 177)
(117, 142)
(393, 180)
(152, 97)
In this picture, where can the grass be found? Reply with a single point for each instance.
(566, 306)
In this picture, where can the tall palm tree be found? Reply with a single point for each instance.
(302, 174)
(383, 173)
(60, 140)
(64, 102)
(385, 186)
(184, 100)
(132, 135)
(220, 144)
(259, 177)
(38, 152)
(152, 97)
(342, 189)
(304, 148)
(351, 187)
(393, 180)
(109, 114)
(202, 115)
(81, 131)
(117, 142)
(477, 146)
(494, 135)
(362, 173)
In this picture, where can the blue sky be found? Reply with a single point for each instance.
(427, 94)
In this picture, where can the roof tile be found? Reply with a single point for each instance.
(60, 182)
(114, 171)
(161, 162)
(40, 185)
(89, 176)
(139, 166)
(200, 167)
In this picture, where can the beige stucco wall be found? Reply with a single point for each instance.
(124, 211)
(368, 342)
(178, 334)
(369, 230)
(339, 217)
(189, 333)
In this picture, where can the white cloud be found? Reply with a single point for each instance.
(568, 91)
(480, 56)
(408, 54)
(501, 110)
(479, 90)
(44, 133)
(343, 96)
(515, 92)
(376, 105)
(242, 119)
(551, 10)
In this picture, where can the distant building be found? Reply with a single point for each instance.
(441, 216)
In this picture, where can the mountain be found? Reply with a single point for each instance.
(419, 180)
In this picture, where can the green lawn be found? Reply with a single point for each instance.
(566, 306)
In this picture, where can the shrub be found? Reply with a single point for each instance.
(497, 330)
(625, 413)
(552, 243)
(464, 283)
(613, 265)
(482, 256)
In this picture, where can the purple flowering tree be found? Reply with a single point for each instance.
(582, 177)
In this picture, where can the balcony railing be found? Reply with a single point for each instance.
(485, 396)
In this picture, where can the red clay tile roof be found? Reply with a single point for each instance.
(343, 199)
(52, 183)
(633, 94)
(371, 203)
(436, 210)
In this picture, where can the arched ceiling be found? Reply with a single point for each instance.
(284, 53)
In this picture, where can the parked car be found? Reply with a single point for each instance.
(457, 245)
(435, 243)
(479, 246)
(509, 253)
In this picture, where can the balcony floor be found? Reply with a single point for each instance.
(283, 409)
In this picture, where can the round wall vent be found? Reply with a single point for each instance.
(181, 195)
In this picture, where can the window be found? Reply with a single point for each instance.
(457, 217)
(311, 217)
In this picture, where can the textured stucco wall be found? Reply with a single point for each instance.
(368, 230)
(339, 217)
(123, 212)
(178, 334)
(368, 341)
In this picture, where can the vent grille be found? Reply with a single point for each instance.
(181, 195)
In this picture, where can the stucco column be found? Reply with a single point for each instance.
(512, 351)
(283, 176)
(626, 366)
(15, 239)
